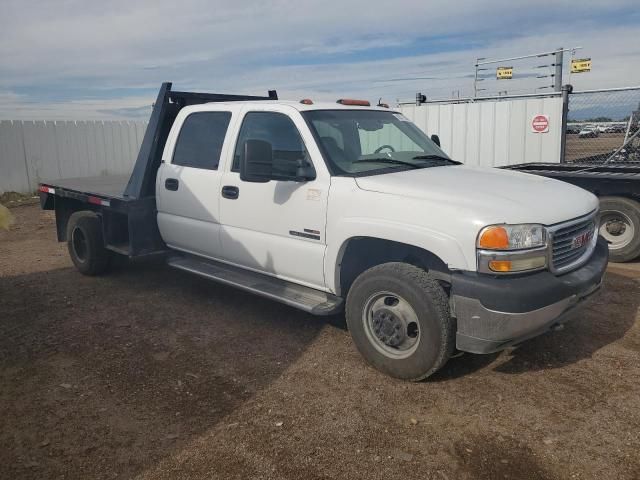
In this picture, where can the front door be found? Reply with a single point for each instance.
(277, 227)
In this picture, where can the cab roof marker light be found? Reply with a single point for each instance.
(353, 102)
(306, 101)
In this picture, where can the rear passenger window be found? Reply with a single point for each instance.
(200, 140)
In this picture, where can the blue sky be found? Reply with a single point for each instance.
(103, 60)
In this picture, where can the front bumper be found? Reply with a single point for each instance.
(496, 312)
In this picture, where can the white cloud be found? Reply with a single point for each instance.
(48, 47)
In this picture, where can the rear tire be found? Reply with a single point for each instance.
(620, 226)
(85, 243)
(399, 319)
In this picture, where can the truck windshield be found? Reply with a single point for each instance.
(361, 142)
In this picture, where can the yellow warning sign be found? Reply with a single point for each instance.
(580, 65)
(504, 73)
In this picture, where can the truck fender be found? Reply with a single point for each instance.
(442, 246)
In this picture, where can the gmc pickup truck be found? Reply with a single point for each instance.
(332, 206)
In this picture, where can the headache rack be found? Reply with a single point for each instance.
(165, 109)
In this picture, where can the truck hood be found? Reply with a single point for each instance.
(491, 195)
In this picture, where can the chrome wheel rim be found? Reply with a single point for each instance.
(617, 229)
(391, 325)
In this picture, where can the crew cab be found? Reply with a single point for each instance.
(332, 207)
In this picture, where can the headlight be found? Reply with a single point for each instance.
(512, 248)
(512, 237)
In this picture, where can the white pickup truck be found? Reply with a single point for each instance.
(332, 206)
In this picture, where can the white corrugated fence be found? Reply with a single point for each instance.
(31, 151)
(492, 133)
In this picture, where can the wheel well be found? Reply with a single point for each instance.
(362, 253)
(65, 207)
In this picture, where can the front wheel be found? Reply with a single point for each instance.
(398, 316)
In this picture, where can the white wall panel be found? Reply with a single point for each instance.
(13, 172)
(33, 151)
(492, 132)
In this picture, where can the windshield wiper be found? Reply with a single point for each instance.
(436, 157)
(387, 160)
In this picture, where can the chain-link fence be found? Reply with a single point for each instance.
(603, 126)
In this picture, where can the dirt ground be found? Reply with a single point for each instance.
(150, 373)
(604, 144)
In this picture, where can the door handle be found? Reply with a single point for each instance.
(171, 184)
(231, 192)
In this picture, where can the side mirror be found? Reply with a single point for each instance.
(304, 171)
(256, 165)
(435, 139)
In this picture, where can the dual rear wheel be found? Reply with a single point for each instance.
(620, 227)
(85, 243)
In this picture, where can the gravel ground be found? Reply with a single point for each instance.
(604, 144)
(150, 373)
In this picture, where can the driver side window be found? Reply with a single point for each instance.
(280, 132)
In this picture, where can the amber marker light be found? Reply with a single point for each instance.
(494, 238)
(500, 265)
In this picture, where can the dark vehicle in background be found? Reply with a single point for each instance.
(617, 185)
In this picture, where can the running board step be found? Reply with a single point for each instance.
(294, 295)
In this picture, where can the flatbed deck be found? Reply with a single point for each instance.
(111, 186)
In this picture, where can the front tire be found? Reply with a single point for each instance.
(85, 243)
(399, 319)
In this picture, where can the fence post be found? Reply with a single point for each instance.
(566, 90)
(558, 63)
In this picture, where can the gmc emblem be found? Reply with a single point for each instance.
(581, 239)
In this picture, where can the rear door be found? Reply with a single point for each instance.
(277, 227)
(188, 182)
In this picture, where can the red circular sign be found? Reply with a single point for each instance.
(540, 123)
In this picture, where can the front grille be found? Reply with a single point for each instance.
(572, 243)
